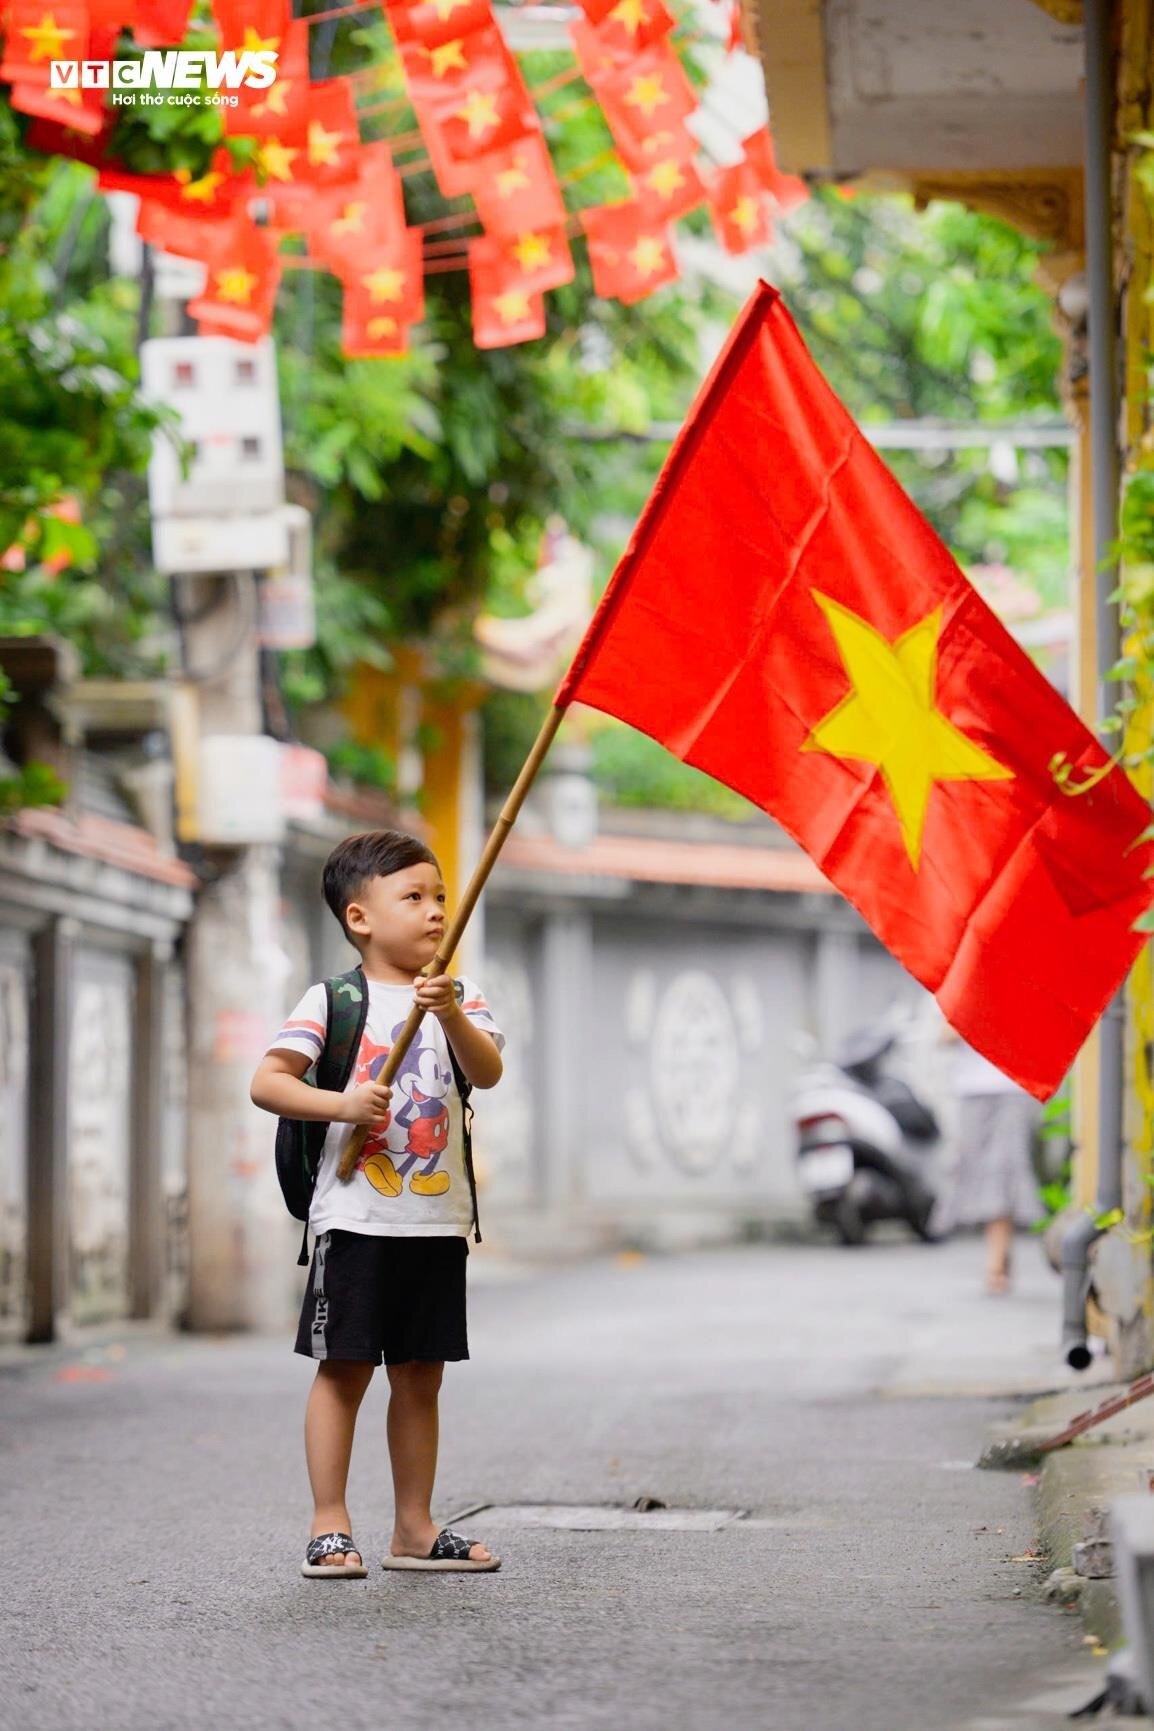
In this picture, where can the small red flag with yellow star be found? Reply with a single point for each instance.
(630, 253)
(241, 284)
(503, 313)
(786, 620)
(533, 261)
(384, 295)
(739, 206)
(36, 34)
(516, 189)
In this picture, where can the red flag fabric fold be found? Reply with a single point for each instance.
(786, 620)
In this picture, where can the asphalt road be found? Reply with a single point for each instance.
(152, 1496)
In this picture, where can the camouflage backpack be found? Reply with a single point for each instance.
(299, 1143)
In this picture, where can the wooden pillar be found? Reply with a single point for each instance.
(48, 1234)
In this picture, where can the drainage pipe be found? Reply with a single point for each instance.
(1104, 481)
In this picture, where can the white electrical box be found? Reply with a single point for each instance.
(239, 800)
(219, 543)
(226, 396)
(287, 600)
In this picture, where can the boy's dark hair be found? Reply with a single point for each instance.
(375, 854)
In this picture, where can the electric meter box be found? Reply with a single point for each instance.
(225, 393)
(238, 797)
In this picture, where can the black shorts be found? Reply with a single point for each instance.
(394, 1299)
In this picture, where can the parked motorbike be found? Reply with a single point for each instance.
(863, 1136)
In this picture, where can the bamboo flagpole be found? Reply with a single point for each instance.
(504, 823)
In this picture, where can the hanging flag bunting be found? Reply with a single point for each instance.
(154, 23)
(667, 189)
(786, 620)
(438, 21)
(344, 223)
(516, 189)
(81, 110)
(281, 110)
(36, 34)
(253, 25)
(786, 190)
(740, 209)
(626, 26)
(645, 115)
(313, 176)
(243, 274)
(629, 255)
(535, 261)
(385, 291)
(439, 74)
(504, 312)
(333, 140)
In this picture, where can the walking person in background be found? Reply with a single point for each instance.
(993, 1183)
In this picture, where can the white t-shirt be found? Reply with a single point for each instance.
(975, 1075)
(410, 1180)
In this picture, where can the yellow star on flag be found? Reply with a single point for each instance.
(630, 14)
(46, 39)
(665, 179)
(532, 250)
(276, 159)
(72, 97)
(385, 285)
(276, 102)
(201, 190)
(890, 718)
(324, 147)
(511, 180)
(744, 214)
(512, 306)
(648, 93)
(235, 285)
(449, 57)
(351, 220)
(445, 8)
(647, 256)
(380, 328)
(254, 43)
(479, 113)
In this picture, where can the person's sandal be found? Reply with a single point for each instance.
(450, 1551)
(329, 1545)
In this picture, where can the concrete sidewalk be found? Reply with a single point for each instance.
(872, 1583)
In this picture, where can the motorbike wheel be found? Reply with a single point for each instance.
(848, 1220)
(920, 1225)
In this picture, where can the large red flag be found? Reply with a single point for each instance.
(786, 620)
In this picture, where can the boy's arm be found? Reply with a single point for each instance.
(475, 1050)
(278, 1086)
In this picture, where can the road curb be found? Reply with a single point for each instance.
(1075, 1485)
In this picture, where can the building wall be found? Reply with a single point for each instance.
(92, 1093)
(652, 1051)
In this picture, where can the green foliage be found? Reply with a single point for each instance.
(31, 784)
(72, 425)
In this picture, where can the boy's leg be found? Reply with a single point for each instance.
(413, 1435)
(330, 1419)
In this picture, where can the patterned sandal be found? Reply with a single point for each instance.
(450, 1551)
(329, 1545)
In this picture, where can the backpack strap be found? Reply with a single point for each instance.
(347, 1006)
(465, 1088)
(346, 1011)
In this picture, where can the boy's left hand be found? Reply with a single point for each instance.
(436, 995)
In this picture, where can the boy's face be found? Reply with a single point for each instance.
(402, 916)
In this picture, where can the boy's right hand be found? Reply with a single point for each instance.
(368, 1104)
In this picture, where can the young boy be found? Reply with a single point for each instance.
(388, 1273)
